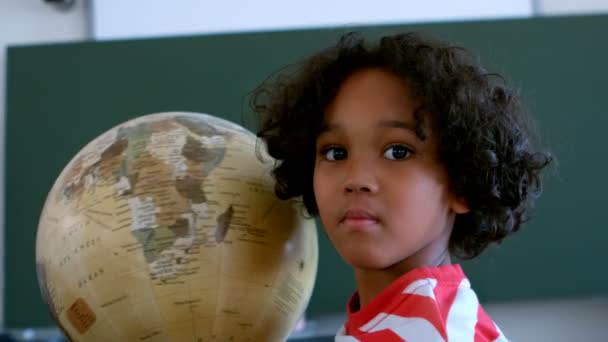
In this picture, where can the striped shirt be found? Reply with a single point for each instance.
(429, 304)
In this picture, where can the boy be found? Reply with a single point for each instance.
(409, 152)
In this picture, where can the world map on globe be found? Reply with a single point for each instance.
(166, 228)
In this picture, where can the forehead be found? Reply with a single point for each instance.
(372, 97)
(372, 90)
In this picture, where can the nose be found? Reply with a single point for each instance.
(360, 178)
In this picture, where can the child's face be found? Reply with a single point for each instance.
(382, 194)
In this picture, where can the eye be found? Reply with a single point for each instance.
(397, 152)
(334, 153)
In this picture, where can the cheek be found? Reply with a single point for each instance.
(317, 187)
(319, 178)
(418, 193)
(322, 190)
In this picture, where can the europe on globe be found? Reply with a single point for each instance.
(166, 228)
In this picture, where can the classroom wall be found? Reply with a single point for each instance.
(102, 84)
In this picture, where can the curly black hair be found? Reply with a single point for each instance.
(486, 139)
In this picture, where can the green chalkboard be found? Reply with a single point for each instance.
(62, 96)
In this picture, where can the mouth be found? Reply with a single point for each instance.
(359, 219)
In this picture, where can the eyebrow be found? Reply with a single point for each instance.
(398, 124)
(406, 125)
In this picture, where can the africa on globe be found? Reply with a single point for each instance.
(166, 228)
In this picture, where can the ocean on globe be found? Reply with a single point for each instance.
(167, 228)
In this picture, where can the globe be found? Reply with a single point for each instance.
(166, 228)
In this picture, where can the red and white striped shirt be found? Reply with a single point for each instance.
(424, 305)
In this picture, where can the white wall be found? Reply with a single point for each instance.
(571, 7)
(113, 19)
(27, 22)
(116, 19)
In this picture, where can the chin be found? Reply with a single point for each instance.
(367, 262)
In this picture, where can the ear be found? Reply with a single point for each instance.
(459, 205)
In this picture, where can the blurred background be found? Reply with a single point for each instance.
(71, 69)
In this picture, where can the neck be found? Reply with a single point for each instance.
(371, 282)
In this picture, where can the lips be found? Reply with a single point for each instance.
(359, 218)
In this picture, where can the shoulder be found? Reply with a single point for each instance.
(432, 307)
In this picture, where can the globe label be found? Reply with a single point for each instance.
(81, 316)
